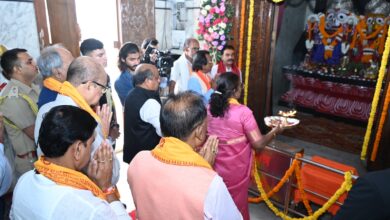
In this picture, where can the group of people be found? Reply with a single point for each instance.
(59, 136)
(189, 156)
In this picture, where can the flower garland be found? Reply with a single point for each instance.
(284, 179)
(374, 105)
(214, 25)
(242, 27)
(336, 37)
(381, 123)
(345, 186)
(249, 45)
(301, 190)
(294, 166)
(248, 48)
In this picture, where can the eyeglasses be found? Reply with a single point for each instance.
(104, 88)
(195, 48)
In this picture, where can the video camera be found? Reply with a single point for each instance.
(162, 59)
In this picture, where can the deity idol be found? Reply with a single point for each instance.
(372, 31)
(329, 35)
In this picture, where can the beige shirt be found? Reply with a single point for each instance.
(17, 109)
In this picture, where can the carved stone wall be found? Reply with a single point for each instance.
(137, 20)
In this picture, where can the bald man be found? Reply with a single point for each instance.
(84, 85)
(142, 112)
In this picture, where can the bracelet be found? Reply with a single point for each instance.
(110, 190)
(274, 134)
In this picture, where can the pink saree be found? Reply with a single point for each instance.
(235, 131)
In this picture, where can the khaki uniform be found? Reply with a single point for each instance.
(18, 110)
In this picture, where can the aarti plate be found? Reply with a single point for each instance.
(273, 121)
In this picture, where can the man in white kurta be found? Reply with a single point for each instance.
(63, 201)
(92, 97)
(182, 67)
(56, 188)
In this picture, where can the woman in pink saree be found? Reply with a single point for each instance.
(238, 133)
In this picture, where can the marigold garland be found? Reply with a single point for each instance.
(345, 186)
(249, 45)
(294, 166)
(374, 105)
(242, 27)
(381, 123)
(301, 190)
(336, 37)
(248, 48)
(284, 179)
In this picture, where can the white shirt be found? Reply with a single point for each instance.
(5, 172)
(38, 198)
(65, 100)
(150, 113)
(180, 73)
(218, 203)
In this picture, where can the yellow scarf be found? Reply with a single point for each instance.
(69, 90)
(233, 101)
(67, 177)
(52, 84)
(171, 150)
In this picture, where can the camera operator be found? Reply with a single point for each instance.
(150, 51)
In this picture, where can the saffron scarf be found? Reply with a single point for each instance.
(171, 150)
(67, 177)
(204, 80)
(52, 84)
(222, 69)
(69, 90)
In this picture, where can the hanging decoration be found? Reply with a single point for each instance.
(375, 101)
(248, 49)
(378, 135)
(242, 28)
(345, 187)
(214, 25)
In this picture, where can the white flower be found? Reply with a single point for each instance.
(221, 32)
(222, 25)
(211, 30)
(203, 12)
(207, 7)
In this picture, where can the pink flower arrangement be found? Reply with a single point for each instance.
(214, 24)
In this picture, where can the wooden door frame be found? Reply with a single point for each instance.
(262, 55)
(47, 13)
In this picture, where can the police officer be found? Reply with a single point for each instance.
(18, 104)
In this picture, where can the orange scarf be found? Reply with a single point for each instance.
(205, 79)
(69, 90)
(52, 84)
(171, 150)
(67, 177)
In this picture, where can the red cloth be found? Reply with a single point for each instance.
(2, 86)
(222, 69)
(322, 181)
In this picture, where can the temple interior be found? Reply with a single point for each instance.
(322, 59)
